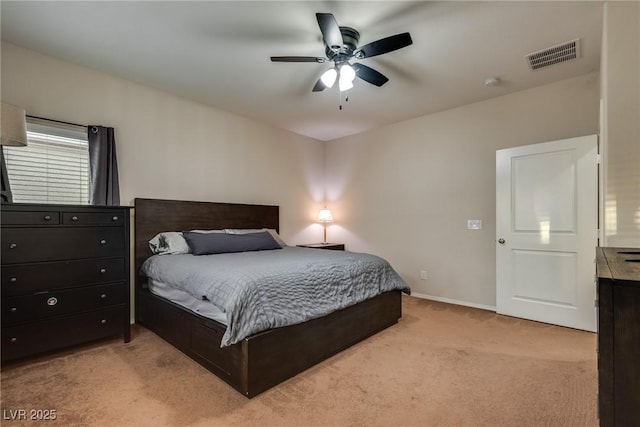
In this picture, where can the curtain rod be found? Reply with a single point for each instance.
(56, 121)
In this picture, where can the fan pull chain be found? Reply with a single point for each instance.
(346, 98)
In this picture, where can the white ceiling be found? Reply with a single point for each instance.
(217, 52)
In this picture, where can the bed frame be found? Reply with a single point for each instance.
(263, 360)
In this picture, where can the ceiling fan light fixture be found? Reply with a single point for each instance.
(328, 78)
(340, 47)
(345, 85)
(347, 75)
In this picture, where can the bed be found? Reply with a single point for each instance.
(262, 360)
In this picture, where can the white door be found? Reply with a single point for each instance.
(546, 224)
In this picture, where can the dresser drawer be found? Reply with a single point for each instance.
(52, 244)
(205, 341)
(19, 279)
(93, 218)
(30, 218)
(53, 334)
(53, 303)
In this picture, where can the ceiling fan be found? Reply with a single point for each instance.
(341, 46)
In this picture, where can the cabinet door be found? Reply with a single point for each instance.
(626, 338)
(53, 303)
(58, 243)
(52, 334)
(93, 218)
(30, 218)
(20, 279)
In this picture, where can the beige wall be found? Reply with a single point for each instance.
(406, 191)
(172, 148)
(621, 123)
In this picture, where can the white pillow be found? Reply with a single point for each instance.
(169, 243)
(271, 231)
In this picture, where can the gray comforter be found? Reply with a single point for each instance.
(269, 289)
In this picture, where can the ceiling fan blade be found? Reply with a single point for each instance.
(385, 45)
(330, 31)
(370, 75)
(297, 59)
(319, 87)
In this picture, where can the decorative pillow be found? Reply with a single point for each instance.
(271, 231)
(173, 242)
(216, 243)
(169, 243)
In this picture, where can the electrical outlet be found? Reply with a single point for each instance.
(474, 224)
(423, 275)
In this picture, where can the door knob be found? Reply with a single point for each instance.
(501, 241)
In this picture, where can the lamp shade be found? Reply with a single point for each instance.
(13, 125)
(325, 216)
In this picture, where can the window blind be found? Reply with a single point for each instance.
(53, 167)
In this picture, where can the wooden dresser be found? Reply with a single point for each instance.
(65, 276)
(618, 336)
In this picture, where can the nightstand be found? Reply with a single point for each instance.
(331, 246)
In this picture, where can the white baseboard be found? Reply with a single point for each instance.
(454, 301)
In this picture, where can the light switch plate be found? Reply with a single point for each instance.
(474, 224)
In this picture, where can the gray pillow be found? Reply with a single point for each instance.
(216, 243)
(271, 231)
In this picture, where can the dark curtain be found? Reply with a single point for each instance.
(6, 188)
(105, 189)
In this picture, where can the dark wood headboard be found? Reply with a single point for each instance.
(153, 216)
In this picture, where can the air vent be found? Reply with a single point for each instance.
(554, 55)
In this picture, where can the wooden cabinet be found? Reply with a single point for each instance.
(618, 336)
(65, 276)
(331, 246)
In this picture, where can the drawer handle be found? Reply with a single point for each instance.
(103, 321)
(74, 218)
(13, 246)
(13, 309)
(103, 270)
(115, 218)
(13, 279)
(103, 296)
(47, 217)
(103, 242)
(13, 339)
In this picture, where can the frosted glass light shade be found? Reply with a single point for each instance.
(14, 125)
(347, 75)
(325, 216)
(328, 78)
(345, 85)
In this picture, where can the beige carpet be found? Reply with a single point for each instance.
(442, 365)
